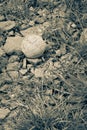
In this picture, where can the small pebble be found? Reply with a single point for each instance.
(31, 23)
(13, 58)
(24, 63)
(39, 72)
(23, 71)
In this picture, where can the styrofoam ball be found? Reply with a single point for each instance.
(33, 46)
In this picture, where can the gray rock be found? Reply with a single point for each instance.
(13, 45)
(4, 112)
(24, 63)
(13, 58)
(13, 66)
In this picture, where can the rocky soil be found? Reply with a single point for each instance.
(48, 92)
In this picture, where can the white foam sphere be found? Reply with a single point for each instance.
(33, 46)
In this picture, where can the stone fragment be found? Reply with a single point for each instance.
(29, 66)
(73, 25)
(7, 25)
(23, 71)
(4, 112)
(14, 75)
(57, 64)
(58, 53)
(34, 61)
(31, 23)
(13, 58)
(24, 63)
(13, 45)
(13, 66)
(39, 72)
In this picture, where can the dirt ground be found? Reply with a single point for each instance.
(48, 92)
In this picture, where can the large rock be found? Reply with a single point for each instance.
(33, 46)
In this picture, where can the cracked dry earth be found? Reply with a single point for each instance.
(47, 95)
